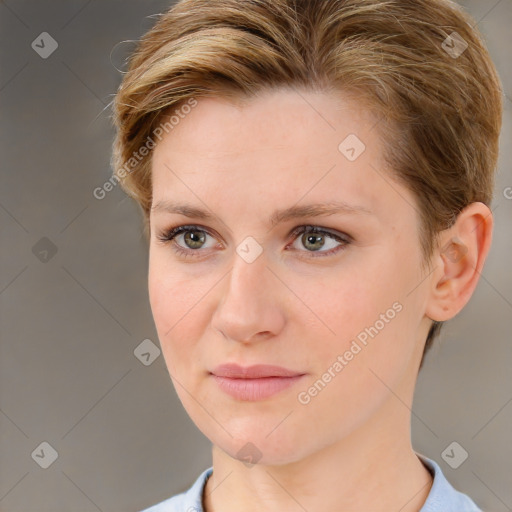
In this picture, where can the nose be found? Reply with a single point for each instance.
(251, 303)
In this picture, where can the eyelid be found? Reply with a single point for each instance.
(167, 235)
(313, 228)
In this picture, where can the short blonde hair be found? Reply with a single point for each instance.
(421, 66)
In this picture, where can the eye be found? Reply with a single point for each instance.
(313, 238)
(192, 236)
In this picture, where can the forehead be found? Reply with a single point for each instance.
(276, 148)
(280, 117)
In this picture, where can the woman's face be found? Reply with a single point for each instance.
(343, 309)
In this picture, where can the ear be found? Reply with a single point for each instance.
(458, 261)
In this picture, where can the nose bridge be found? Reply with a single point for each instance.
(247, 306)
(248, 274)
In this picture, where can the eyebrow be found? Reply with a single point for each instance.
(279, 216)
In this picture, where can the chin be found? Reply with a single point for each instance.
(254, 444)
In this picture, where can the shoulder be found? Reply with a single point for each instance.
(443, 497)
(189, 501)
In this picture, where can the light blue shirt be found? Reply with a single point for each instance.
(441, 498)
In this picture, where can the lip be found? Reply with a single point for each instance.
(257, 371)
(256, 382)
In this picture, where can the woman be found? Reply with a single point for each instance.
(315, 178)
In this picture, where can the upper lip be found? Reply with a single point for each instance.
(257, 371)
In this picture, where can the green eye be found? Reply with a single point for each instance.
(313, 239)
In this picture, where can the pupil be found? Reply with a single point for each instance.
(312, 238)
(194, 238)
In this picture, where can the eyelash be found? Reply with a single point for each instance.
(169, 235)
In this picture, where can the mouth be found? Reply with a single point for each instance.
(256, 382)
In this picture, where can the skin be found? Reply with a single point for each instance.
(349, 448)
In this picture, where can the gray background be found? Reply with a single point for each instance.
(70, 324)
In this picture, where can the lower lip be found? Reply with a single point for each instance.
(255, 389)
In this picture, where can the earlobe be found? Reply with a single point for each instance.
(459, 260)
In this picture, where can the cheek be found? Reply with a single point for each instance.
(342, 303)
(367, 318)
(351, 379)
(176, 308)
